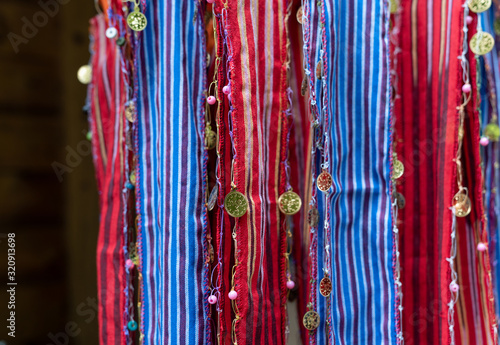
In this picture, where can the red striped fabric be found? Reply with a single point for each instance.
(107, 97)
(426, 139)
(258, 89)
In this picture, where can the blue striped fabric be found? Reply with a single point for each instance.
(355, 97)
(491, 153)
(171, 175)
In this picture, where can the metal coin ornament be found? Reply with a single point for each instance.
(129, 112)
(84, 74)
(212, 199)
(300, 15)
(311, 320)
(398, 168)
(313, 217)
(319, 70)
(481, 43)
(111, 32)
(400, 200)
(136, 20)
(289, 203)
(394, 6)
(324, 181)
(210, 138)
(492, 131)
(478, 6)
(121, 41)
(303, 88)
(236, 204)
(462, 204)
(325, 287)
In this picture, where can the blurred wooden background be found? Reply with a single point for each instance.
(55, 222)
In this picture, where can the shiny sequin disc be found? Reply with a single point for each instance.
(236, 204)
(394, 6)
(289, 203)
(462, 204)
(492, 131)
(400, 200)
(210, 138)
(129, 112)
(479, 6)
(111, 32)
(313, 217)
(212, 199)
(325, 287)
(311, 320)
(324, 181)
(300, 13)
(398, 169)
(136, 20)
(481, 43)
(84, 74)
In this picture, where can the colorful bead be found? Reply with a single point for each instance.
(466, 88)
(210, 1)
(481, 247)
(226, 89)
(454, 287)
(129, 185)
(484, 141)
(211, 100)
(469, 20)
(212, 299)
(129, 264)
(290, 284)
(232, 295)
(132, 325)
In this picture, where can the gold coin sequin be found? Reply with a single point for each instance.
(400, 200)
(394, 6)
(210, 138)
(311, 320)
(325, 287)
(462, 204)
(300, 14)
(236, 204)
(481, 43)
(132, 178)
(324, 181)
(212, 199)
(129, 112)
(398, 168)
(313, 217)
(319, 70)
(478, 6)
(289, 203)
(136, 20)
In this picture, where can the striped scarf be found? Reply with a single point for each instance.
(171, 180)
(351, 101)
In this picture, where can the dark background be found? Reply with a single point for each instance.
(55, 222)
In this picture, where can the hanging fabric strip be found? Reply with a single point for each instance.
(107, 96)
(351, 87)
(171, 180)
(258, 93)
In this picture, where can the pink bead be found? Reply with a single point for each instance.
(454, 287)
(481, 247)
(290, 284)
(226, 89)
(466, 88)
(212, 299)
(232, 295)
(484, 141)
(229, 97)
(210, 1)
(211, 100)
(468, 19)
(129, 263)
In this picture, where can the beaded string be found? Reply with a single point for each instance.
(316, 133)
(135, 128)
(394, 40)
